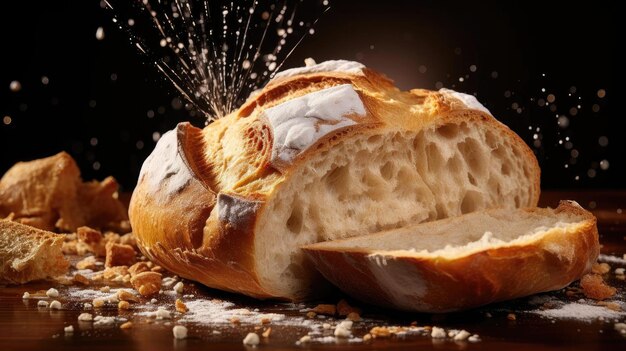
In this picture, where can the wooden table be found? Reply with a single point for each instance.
(24, 326)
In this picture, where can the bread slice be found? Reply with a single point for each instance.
(28, 253)
(466, 261)
(329, 152)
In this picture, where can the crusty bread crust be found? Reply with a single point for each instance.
(200, 218)
(49, 194)
(427, 284)
(27, 253)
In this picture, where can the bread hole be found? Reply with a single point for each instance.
(441, 211)
(375, 139)
(473, 155)
(518, 201)
(448, 131)
(376, 187)
(471, 202)
(471, 179)
(406, 177)
(491, 140)
(337, 180)
(455, 164)
(433, 156)
(505, 169)
(387, 171)
(294, 223)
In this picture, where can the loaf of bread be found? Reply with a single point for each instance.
(28, 253)
(49, 194)
(321, 153)
(466, 261)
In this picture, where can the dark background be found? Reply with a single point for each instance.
(104, 104)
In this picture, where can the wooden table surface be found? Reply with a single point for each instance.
(24, 326)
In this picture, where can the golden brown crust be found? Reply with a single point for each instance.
(187, 231)
(469, 281)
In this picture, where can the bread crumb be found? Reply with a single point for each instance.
(610, 305)
(180, 332)
(620, 327)
(438, 333)
(380, 332)
(88, 262)
(179, 287)
(115, 273)
(85, 317)
(92, 239)
(123, 305)
(55, 305)
(125, 295)
(97, 302)
(147, 283)
(105, 289)
(180, 306)
(69, 329)
(42, 303)
(87, 306)
(344, 308)
(353, 316)
(26, 295)
(162, 313)
(81, 279)
(462, 335)
(157, 269)
(600, 268)
(594, 287)
(342, 330)
(620, 271)
(267, 332)
(137, 268)
(305, 339)
(252, 339)
(235, 320)
(367, 337)
(52, 292)
(311, 314)
(511, 316)
(126, 325)
(325, 309)
(119, 255)
(474, 338)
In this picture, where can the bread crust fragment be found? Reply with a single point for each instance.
(28, 253)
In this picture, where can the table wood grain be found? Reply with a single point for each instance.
(24, 326)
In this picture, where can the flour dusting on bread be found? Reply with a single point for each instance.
(299, 123)
(341, 66)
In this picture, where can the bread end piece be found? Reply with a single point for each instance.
(379, 269)
(28, 253)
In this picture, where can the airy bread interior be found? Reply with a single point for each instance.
(27, 253)
(373, 182)
(463, 235)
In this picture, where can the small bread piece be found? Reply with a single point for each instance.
(28, 253)
(48, 194)
(323, 153)
(466, 261)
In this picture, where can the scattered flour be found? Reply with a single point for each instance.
(580, 311)
(611, 259)
(222, 312)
